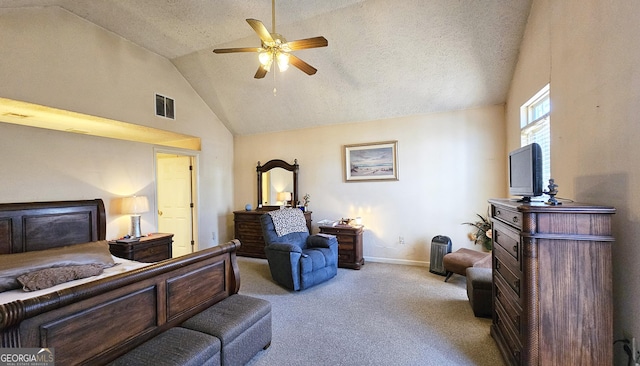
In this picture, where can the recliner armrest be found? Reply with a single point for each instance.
(321, 241)
(285, 247)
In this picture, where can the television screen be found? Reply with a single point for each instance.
(525, 172)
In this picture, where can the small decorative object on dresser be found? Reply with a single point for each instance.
(349, 244)
(552, 283)
(151, 248)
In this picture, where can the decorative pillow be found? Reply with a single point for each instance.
(288, 220)
(50, 277)
(14, 265)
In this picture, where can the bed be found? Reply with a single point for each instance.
(95, 321)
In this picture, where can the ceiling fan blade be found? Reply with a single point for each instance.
(262, 31)
(231, 50)
(308, 43)
(260, 73)
(305, 67)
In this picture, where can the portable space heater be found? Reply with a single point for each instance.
(440, 245)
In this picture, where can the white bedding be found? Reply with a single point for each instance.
(123, 265)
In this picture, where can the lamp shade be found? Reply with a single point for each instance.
(284, 196)
(135, 205)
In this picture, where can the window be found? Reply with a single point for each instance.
(535, 127)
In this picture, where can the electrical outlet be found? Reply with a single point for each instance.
(401, 240)
(635, 354)
(213, 235)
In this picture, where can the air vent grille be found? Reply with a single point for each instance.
(165, 107)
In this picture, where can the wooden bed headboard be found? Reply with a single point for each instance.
(26, 227)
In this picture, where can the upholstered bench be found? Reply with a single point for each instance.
(463, 258)
(479, 283)
(242, 323)
(175, 346)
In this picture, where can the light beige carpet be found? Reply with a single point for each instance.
(383, 314)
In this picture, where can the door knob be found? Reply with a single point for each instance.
(159, 213)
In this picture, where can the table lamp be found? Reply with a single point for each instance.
(135, 206)
(284, 197)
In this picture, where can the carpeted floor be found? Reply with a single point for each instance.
(383, 314)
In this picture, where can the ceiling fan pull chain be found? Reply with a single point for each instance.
(274, 84)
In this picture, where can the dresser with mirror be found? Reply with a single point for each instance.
(277, 186)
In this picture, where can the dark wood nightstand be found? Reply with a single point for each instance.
(152, 248)
(349, 244)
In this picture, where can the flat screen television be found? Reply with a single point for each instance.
(525, 172)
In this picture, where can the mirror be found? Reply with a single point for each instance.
(274, 178)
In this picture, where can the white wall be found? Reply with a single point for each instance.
(51, 57)
(587, 50)
(449, 165)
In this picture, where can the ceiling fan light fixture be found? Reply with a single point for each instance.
(265, 57)
(274, 47)
(267, 66)
(283, 61)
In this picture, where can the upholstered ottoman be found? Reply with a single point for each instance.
(242, 323)
(463, 258)
(479, 285)
(175, 346)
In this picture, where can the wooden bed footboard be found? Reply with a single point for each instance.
(95, 322)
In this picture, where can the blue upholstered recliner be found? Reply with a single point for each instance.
(296, 259)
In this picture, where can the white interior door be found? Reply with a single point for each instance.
(175, 200)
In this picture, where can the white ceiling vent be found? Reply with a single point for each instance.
(165, 107)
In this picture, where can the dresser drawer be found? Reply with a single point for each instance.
(249, 226)
(510, 278)
(346, 239)
(513, 218)
(350, 231)
(152, 254)
(508, 240)
(506, 330)
(345, 256)
(510, 306)
(346, 242)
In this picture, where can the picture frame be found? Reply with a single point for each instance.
(376, 161)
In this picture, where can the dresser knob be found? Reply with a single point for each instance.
(497, 265)
(516, 283)
(497, 212)
(515, 248)
(515, 219)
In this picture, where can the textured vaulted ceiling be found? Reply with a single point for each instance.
(385, 59)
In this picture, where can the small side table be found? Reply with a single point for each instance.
(152, 248)
(349, 244)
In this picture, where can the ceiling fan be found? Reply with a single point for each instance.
(275, 47)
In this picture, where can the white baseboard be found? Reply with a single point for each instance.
(405, 262)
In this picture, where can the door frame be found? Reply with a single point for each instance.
(195, 193)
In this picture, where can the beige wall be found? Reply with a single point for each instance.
(587, 50)
(449, 165)
(51, 57)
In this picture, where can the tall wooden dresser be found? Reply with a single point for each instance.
(249, 231)
(552, 283)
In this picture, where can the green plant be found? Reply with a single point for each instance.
(482, 233)
(307, 199)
